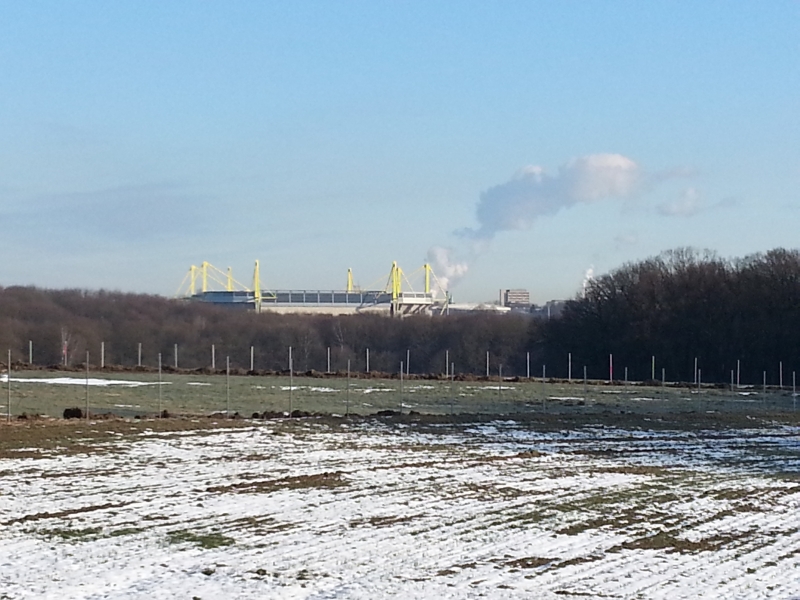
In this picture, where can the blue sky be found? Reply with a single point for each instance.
(524, 142)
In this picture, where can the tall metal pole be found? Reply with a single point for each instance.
(102, 355)
(780, 374)
(653, 368)
(252, 359)
(30, 352)
(367, 360)
(408, 362)
(139, 362)
(487, 364)
(228, 386)
(213, 358)
(610, 368)
(176, 356)
(528, 364)
(695, 369)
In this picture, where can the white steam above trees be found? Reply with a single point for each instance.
(533, 193)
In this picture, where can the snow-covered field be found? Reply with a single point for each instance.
(367, 510)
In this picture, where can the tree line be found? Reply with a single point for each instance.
(681, 306)
(83, 320)
(739, 316)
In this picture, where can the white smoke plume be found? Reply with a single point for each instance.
(534, 193)
(588, 277)
(448, 270)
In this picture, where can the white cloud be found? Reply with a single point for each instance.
(533, 193)
(689, 204)
(628, 238)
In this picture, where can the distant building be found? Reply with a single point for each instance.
(516, 298)
(550, 310)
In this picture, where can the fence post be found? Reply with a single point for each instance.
(160, 411)
(347, 399)
(544, 376)
(87, 385)
(8, 414)
(291, 383)
(584, 382)
(401, 386)
(738, 373)
(500, 383)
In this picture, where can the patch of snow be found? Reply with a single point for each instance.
(94, 382)
(375, 511)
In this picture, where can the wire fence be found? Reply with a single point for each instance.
(32, 391)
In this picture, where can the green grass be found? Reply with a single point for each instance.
(206, 394)
(206, 541)
(71, 535)
(125, 531)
